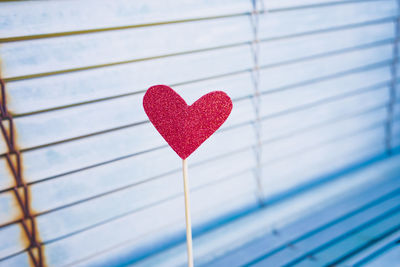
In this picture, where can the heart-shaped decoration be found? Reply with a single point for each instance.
(185, 127)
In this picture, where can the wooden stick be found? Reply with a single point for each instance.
(187, 213)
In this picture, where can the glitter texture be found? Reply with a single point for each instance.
(185, 127)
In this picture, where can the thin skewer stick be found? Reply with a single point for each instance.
(187, 213)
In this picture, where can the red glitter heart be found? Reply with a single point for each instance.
(185, 127)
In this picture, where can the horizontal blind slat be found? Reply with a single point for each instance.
(71, 156)
(306, 246)
(314, 137)
(319, 18)
(322, 161)
(78, 87)
(323, 67)
(376, 251)
(20, 259)
(121, 13)
(290, 98)
(9, 208)
(377, 230)
(11, 240)
(162, 215)
(269, 151)
(51, 127)
(358, 58)
(355, 147)
(371, 99)
(43, 88)
(67, 193)
(291, 49)
(234, 240)
(287, 124)
(92, 15)
(346, 226)
(6, 178)
(238, 84)
(276, 4)
(127, 167)
(75, 52)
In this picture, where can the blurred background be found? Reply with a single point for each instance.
(305, 172)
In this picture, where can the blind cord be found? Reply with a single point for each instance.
(20, 189)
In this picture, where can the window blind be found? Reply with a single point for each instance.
(314, 87)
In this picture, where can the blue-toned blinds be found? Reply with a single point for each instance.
(314, 90)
